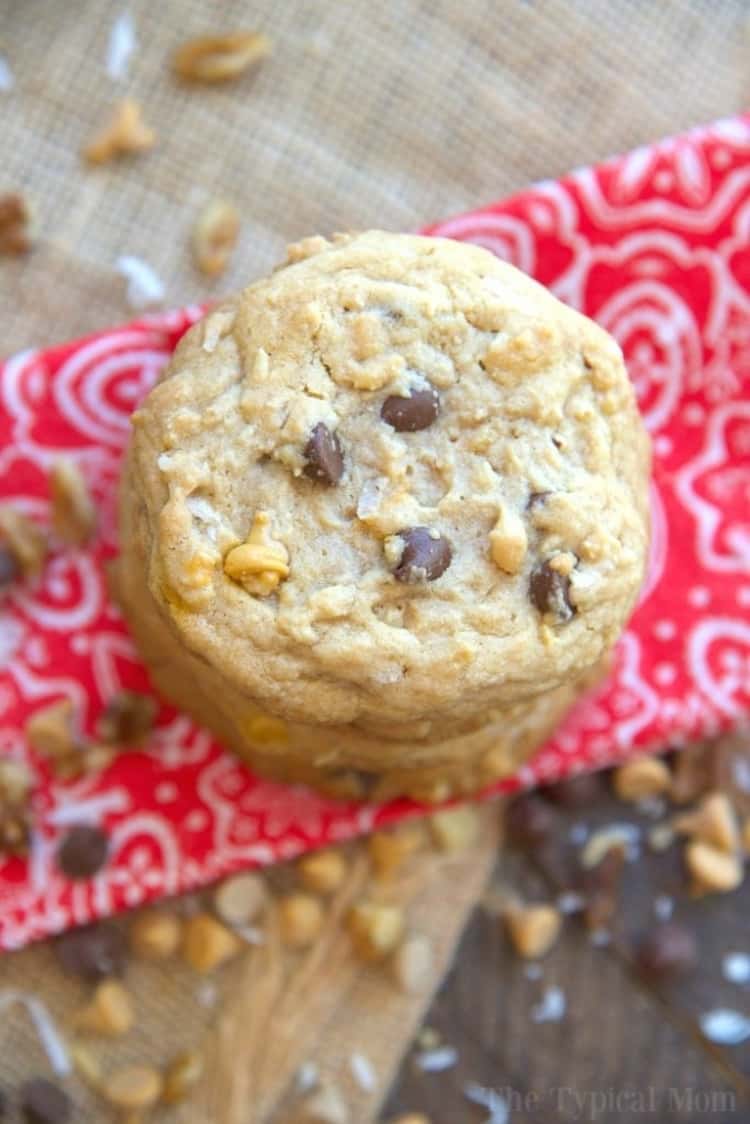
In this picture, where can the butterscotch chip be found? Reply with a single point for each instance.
(239, 900)
(215, 235)
(323, 872)
(455, 829)
(110, 1011)
(412, 964)
(712, 870)
(181, 1076)
(713, 822)
(300, 920)
(389, 850)
(124, 134)
(261, 562)
(133, 1087)
(73, 511)
(375, 929)
(220, 58)
(23, 543)
(640, 778)
(206, 943)
(533, 929)
(155, 935)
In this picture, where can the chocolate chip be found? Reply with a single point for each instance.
(127, 718)
(578, 792)
(669, 950)
(550, 592)
(43, 1102)
(10, 571)
(83, 851)
(528, 821)
(426, 555)
(408, 414)
(324, 456)
(93, 953)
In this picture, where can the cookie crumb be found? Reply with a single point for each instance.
(133, 1087)
(240, 899)
(181, 1076)
(412, 964)
(712, 870)
(155, 934)
(389, 850)
(455, 829)
(375, 929)
(109, 1012)
(713, 822)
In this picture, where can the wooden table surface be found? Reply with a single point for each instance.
(625, 1051)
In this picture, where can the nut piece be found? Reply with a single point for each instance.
(412, 964)
(640, 778)
(73, 512)
(109, 1012)
(23, 540)
(324, 1105)
(219, 58)
(533, 929)
(125, 133)
(261, 563)
(713, 822)
(508, 541)
(215, 235)
(155, 935)
(375, 929)
(15, 783)
(455, 829)
(181, 1076)
(300, 919)
(128, 718)
(323, 872)
(206, 943)
(132, 1087)
(14, 222)
(50, 730)
(712, 871)
(241, 899)
(389, 849)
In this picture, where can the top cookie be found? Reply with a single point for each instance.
(396, 481)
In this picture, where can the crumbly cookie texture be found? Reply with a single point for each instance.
(387, 496)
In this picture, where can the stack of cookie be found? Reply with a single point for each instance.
(384, 517)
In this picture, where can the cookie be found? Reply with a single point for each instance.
(384, 509)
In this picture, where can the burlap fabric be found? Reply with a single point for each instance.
(386, 114)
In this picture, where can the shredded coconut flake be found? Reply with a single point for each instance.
(725, 1027)
(307, 1077)
(369, 498)
(435, 1061)
(122, 44)
(663, 907)
(363, 1072)
(735, 967)
(144, 287)
(44, 1025)
(551, 1008)
(570, 902)
(7, 81)
(490, 1099)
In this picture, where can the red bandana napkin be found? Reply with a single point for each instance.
(655, 246)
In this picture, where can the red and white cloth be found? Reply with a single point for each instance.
(654, 245)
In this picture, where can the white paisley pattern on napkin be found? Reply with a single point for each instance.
(656, 246)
